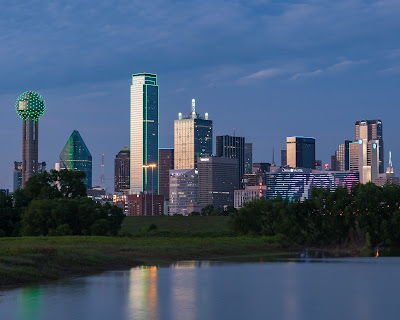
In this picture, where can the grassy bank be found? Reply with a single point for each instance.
(36, 259)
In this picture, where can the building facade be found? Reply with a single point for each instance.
(300, 152)
(166, 161)
(297, 183)
(192, 139)
(183, 190)
(248, 194)
(144, 133)
(248, 157)
(232, 147)
(145, 204)
(371, 130)
(122, 170)
(217, 181)
(76, 156)
(283, 157)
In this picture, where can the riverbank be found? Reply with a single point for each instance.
(27, 260)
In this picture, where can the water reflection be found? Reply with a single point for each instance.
(30, 304)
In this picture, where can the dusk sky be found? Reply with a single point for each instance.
(269, 69)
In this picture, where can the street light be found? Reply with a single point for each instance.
(144, 191)
(152, 166)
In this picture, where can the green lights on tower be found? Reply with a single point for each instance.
(30, 105)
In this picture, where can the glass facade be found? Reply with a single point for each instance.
(122, 170)
(183, 190)
(248, 158)
(232, 147)
(192, 139)
(300, 152)
(144, 133)
(76, 156)
(297, 183)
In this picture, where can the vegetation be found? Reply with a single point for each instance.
(56, 204)
(367, 216)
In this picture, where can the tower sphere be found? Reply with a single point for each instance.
(31, 105)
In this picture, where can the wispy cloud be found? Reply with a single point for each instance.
(264, 74)
(337, 67)
(391, 70)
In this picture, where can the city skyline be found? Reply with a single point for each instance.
(279, 71)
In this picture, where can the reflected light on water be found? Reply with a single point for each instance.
(143, 299)
(30, 304)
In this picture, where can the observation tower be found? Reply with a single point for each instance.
(30, 106)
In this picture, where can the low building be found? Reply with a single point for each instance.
(146, 204)
(297, 183)
(248, 194)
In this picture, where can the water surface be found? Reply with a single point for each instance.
(334, 288)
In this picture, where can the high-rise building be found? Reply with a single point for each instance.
(340, 161)
(17, 176)
(192, 139)
(232, 147)
(283, 157)
(166, 161)
(371, 130)
(144, 133)
(76, 156)
(122, 170)
(261, 167)
(248, 158)
(184, 190)
(300, 152)
(217, 181)
(364, 158)
(30, 106)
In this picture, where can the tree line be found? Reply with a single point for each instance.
(367, 215)
(56, 203)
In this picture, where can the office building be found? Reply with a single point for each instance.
(217, 181)
(297, 183)
(122, 170)
(248, 194)
(76, 156)
(248, 158)
(166, 161)
(364, 158)
(261, 167)
(192, 139)
(341, 160)
(30, 107)
(283, 158)
(146, 204)
(371, 130)
(232, 147)
(144, 133)
(183, 190)
(17, 176)
(300, 152)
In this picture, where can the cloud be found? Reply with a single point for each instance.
(264, 74)
(337, 67)
(391, 70)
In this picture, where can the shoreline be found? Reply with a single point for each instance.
(34, 260)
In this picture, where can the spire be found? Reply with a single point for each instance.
(193, 108)
(273, 157)
(390, 169)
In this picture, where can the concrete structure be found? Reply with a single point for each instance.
(166, 163)
(371, 130)
(192, 139)
(364, 158)
(232, 147)
(144, 133)
(297, 183)
(300, 152)
(183, 190)
(122, 170)
(248, 194)
(248, 157)
(217, 181)
(30, 107)
(145, 205)
(76, 156)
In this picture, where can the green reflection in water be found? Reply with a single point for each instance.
(30, 304)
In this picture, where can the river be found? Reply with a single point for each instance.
(330, 288)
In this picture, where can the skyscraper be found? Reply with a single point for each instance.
(248, 158)
(283, 157)
(217, 181)
(371, 130)
(192, 139)
(300, 152)
(340, 161)
(232, 147)
(122, 170)
(144, 133)
(364, 158)
(30, 106)
(184, 190)
(166, 159)
(76, 156)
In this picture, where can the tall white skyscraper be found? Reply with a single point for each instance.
(144, 134)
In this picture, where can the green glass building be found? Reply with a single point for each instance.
(76, 156)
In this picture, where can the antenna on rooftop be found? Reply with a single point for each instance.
(102, 171)
(193, 108)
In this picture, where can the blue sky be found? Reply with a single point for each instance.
(269, 69)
